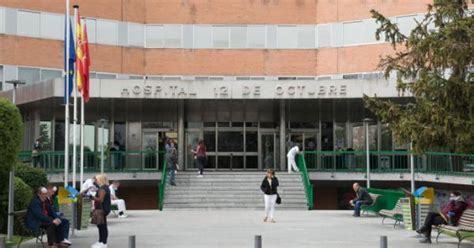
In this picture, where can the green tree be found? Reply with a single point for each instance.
(434, 64)
(33, 177)
(11, 128)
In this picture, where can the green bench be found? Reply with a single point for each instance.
(394, 213)
(372, 207)
(20, 217)
(464, 230)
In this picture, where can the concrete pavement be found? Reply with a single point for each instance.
(236, 228)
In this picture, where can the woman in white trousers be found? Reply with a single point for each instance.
(269, 187)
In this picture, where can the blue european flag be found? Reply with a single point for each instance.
(72, 59)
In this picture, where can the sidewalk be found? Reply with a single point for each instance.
(294, 229)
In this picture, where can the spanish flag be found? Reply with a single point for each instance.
(82, 59)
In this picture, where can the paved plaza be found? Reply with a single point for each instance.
(183, 229)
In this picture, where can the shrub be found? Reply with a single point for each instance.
(34, 177)
(23, 194)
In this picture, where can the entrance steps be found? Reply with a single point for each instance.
(231, 190)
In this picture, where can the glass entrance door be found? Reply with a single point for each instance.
(153, 148)
(268, 151)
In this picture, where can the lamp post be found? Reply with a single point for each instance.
(11, 182)
(367, 148)
(102, 124)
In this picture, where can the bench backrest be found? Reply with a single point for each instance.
(398, 206)
(467, 219)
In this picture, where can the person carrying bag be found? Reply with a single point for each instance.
(102, 209)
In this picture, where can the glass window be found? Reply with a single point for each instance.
(2, 20)
(28, 75)
(373, 137)
(1, 78)
(341, 137)
(188, 33)
(45, 135)
(173, 36)
(231, 142)
(256, 36)
(238, 37)
(370, 26)
(49, 74)
(52, 26)
(306, 36)
(59, 136)
(406, 24)
(358, 137)
(120, 135)
(251, 142)
(287, 37)
(220, 37)
(107, 32)
(154, 36)
(135, 34)
(353, 33)
(210, 141)
(386, 144)
(324, 35)
(91, 29)
(202, 36)
(28, 23)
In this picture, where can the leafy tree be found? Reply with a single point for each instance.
(11, 128)
(434, 64)
(33, 177)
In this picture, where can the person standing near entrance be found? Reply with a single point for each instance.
(171, 160)
(269, 188)
(35, 153)
(200, 156)
(291, 158)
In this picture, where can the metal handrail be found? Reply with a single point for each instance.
(162, 187)
(308, 186)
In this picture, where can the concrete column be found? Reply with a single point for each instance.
(282, 135)
(181, 153)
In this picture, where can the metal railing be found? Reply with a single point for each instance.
(114, 161)
(162, 187)
(390, 161)
(308, 187)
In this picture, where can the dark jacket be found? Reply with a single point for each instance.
(454, 209)
(268, 189)
(105, 205)
(35, 216)
(363, 195)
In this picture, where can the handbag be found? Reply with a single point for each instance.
(278, 201)
(98, 217)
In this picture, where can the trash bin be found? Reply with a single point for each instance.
(408, 213)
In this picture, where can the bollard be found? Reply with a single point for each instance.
(383, 242)
(3, 242)
(131, 241)
(258, 241)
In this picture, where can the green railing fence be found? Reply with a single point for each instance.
(114, 161)
(308, 187)
(162, 187)
(389, 161)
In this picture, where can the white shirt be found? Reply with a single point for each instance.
(293, 151)
(88, 186)
(112, 192)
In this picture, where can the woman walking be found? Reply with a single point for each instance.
(102, 207)
(269, 188)
(200, 155)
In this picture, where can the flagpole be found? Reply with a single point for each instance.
(74, 130)
(82, 142)
(66, 107)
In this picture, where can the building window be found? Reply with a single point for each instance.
(256, 36)
(154, 36)
(324, 35)
(50, 74)
(287, 37)
(52, 26)
(106, 76)
(91, 25)
(353, 33)
(220, 37)
(306, 36)
(202, 36)
(107, 32)
(28, 23)
(1, 78)
(29, 75)
(238, 37)
(172, 36)
(406, 24)
(2, 20)
(135, 34)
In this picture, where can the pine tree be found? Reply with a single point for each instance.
(434, 66)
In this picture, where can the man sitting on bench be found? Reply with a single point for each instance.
(362, 198)
(450, 214)
(120, 203)
(41, 215)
